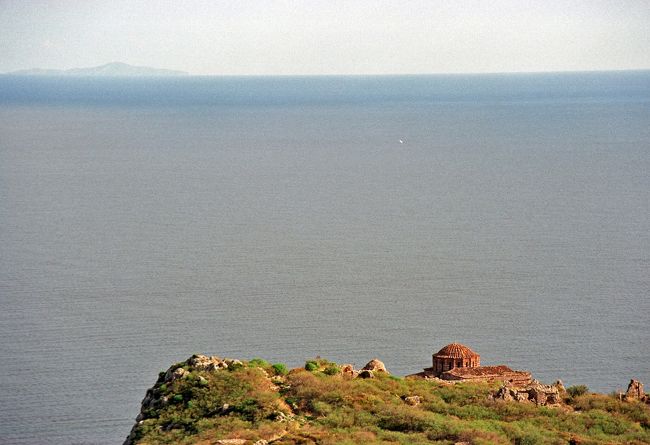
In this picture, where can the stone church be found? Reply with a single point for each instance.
(456, 362)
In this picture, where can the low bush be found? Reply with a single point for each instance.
(280, 369)
(258, 363)
(332, 369)
(577, 390)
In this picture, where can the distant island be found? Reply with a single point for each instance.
(113, 69)
(210, 400)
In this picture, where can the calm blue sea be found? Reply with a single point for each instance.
(144, 220)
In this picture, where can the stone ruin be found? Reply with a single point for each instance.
(499, 373)
(456, 362)
(535, 392)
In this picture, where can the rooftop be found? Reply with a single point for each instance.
(456, 350)
(481, 371)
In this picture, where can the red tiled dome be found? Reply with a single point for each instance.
(456, 350)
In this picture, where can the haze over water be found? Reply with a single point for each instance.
(144, 220)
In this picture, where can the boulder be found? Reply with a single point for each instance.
(375, 365)
(635, 391)
(366, 374)
(349, 371)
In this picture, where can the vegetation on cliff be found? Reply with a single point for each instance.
(204, 401)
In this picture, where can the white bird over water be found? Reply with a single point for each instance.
(401, 141)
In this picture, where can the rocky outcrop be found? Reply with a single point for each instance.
(535, 392)
(349, 371)
(635, 391)
(175, 374)
(202, 362)
(155, 398)
(375, 365)
(369, 371)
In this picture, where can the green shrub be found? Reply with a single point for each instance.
(247, 409)
(321, 408)
(577, 390)
(404, 419)
(177, 398)
(280, 369)
(332, 369)
(311, 366)
(258, 363)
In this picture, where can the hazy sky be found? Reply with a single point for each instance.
(328, 36)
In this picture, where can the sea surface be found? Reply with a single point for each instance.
(144, 220)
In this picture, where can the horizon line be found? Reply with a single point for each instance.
(440, 73)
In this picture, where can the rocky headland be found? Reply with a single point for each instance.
(212, 400)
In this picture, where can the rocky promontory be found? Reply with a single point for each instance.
(212, 400)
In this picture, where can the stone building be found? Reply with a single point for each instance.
(456, 362)
(453, 356)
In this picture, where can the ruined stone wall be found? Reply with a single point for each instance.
(489, 374)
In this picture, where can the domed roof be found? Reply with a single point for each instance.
(456, 350)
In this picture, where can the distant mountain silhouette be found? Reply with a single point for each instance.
(110, 69)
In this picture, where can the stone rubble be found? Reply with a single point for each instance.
(535, 392)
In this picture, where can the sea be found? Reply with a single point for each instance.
(143, 220)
